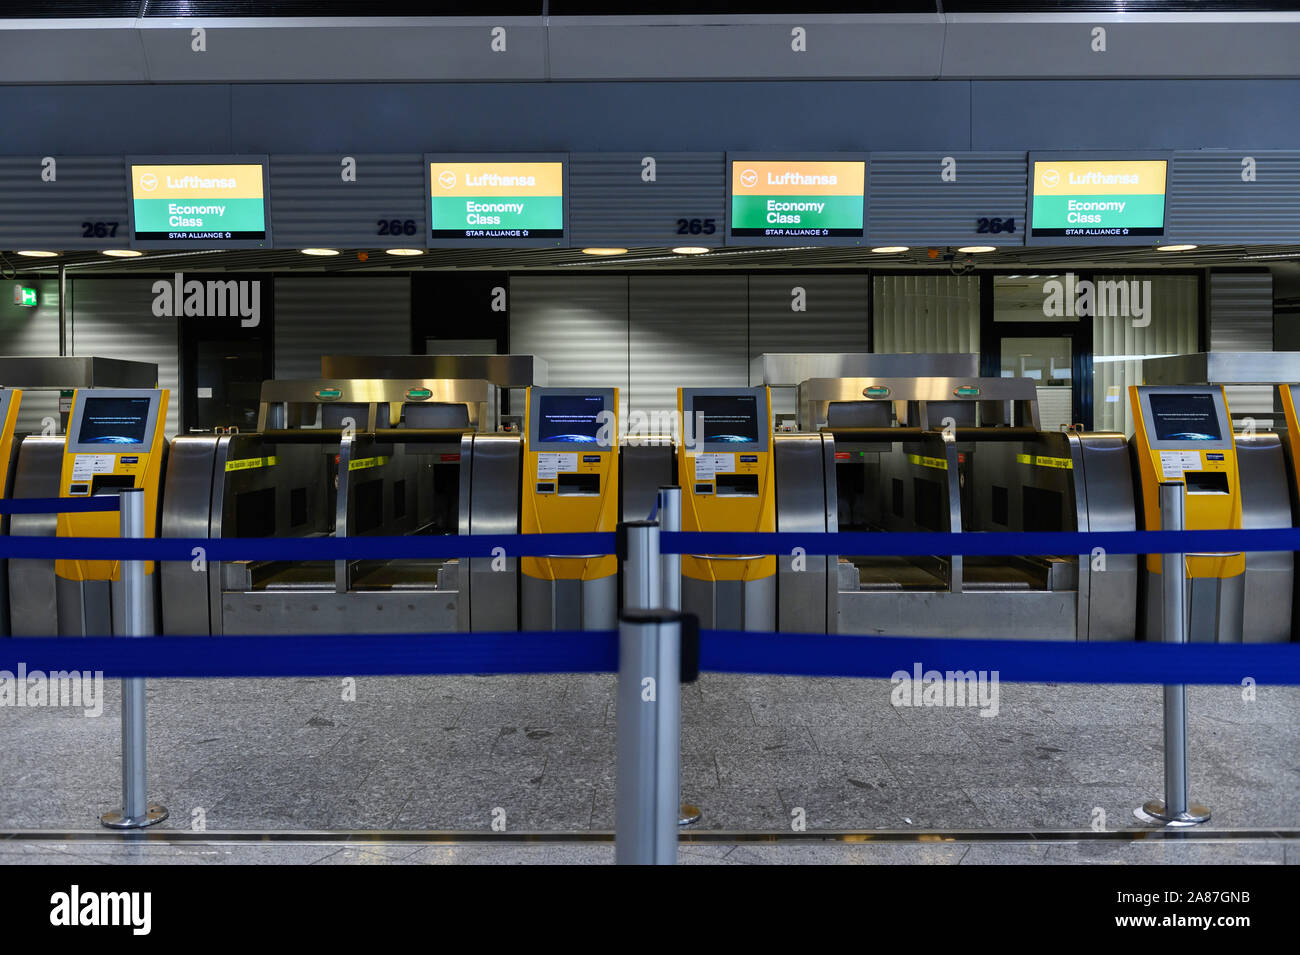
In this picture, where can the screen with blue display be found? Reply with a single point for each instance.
(114, 421)
(569, 419)
(1184, 417)
(728, 419)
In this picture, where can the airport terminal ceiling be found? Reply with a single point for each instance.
(376, 260)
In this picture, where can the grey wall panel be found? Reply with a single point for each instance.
(1241, 319)
(572, 117)
(328, 315)
(1119, 344)
(1055, 44)
(686, 331)
(578, 323)
(71, 51)
(751, 47)
(834, 319)
(1209, 202)
(926, 313)
(910, 203)
(611, 203)
(311, 204)
(1156, 114)
(358, 48)
(32, 332)
(40, 214)
(113, 318)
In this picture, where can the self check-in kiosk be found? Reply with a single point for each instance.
(725, 468)
(1183, 434)
(10, 401)
(114, 442)
(570, 484)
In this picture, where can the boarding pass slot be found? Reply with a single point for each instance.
(578, 485)
(736, 485)
(1206, 482)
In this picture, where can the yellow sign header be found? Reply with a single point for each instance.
(192, 181)
(449, 179)
(1144, 177)
(749, 178)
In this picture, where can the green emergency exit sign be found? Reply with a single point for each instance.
(26, 297)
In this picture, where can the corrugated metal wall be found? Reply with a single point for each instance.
(312, 205)
(1241, 319)
(909, 201)
(32, 332)
(578, 323)
(1209, 202)
(1119, 345)
(36, 213)
(611, 204)
(834, 319)
(113, 318)
(651, 334)
(926, 313)
(686, 331)
(328, 315)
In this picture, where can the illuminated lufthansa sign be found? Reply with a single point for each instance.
(1098, 200)
(796, 200)
(213, 205)
(496, 201)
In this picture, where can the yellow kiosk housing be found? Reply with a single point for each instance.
(570, 484)
(725, 467)
(1183, 434)
(11, 401)
(114, 442)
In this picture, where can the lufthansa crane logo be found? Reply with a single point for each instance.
(749, 179)
(1051, 177)
(447, 179)
(148, 182)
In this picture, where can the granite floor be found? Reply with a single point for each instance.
(1002, 852)
(536, 754)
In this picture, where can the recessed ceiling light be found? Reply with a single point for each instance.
(122, 253)
(320, 251)
(38, 254)
(405, 251)
(1174, 248)
(973, 249)
(599, 251)
(887, 249)
(690, 250)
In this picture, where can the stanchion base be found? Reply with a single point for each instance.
(1194, 816)
(115, 820)
(688, 814)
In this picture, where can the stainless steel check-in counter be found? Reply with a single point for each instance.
(29, 605)
(346, 458)
(965, 454)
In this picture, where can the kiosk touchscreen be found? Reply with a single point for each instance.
(114, 442)
(570, 484)
(1184, 435)
(724, 463)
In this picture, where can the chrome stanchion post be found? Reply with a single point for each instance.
(670, 565)
(136, 812)
(1175, 808)
(647, 781)
(670, 519)
(641, 587)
